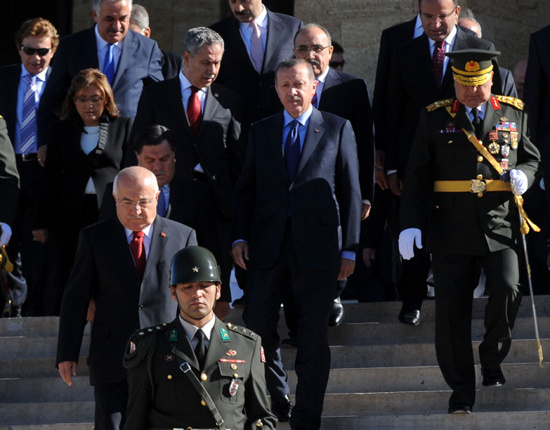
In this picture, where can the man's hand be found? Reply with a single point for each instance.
(90, 315)
(41, 154)
(369, 254)
(346, 269)
(67, 369)
(5, 235)
(365, 211)
(407, 240)
(519, 182)
(396, 184)
(379, 173)
(40, 235)
(240, 254)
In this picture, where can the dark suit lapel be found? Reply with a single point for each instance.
(459, 44)
(210, 106)
(158, 241)
(275, 29)
(178, 339)
(129, 47)
(236, 41)
(333, 79)
(89, 47)
(462, 120)
(314, 133)
(274, 142)
(425, 63)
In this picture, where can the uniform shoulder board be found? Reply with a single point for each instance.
(242, 330)
(139, 345)
(511, 101)
(439, 104)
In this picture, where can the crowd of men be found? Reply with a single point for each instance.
(255, 145)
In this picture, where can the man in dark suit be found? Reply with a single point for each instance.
(469, 154)
(413, 85)
(123, 264)
(537, 97)
(296, 216)
(139, 22)
(203, 118)
(348, 97)
(129, 60)
(253, 76)
(36, 42)
(227, 359)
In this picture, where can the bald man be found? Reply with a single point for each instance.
(124, 264)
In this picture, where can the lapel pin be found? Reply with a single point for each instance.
(163, 234)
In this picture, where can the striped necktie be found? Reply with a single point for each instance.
(438, 59)
(28, 125)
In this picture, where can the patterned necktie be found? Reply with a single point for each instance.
(200, 349)
(256, 48)
(315, 99)
(194, 110)
(476, 121)
(28, 125)
(161, 205)
(138, 251)
(438, 60)
(292, 150)
(109, 64)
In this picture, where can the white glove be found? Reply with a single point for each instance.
(519, 182)
(407, 240)
(6, 234)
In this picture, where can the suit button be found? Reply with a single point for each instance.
(479, 159)
(203, 403)
(204, 376)
(140, 307)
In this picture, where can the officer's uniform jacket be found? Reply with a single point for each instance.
(466, 223)
(161, 395)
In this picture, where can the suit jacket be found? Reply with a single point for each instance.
(139, 65)
(217, 146)
(9, 87)
(347, 96)
(537, 88)
(391, 38)
(412, 86)
(238, 73)
(68, 169)
(171, 64)
(9, 178)
(462, 222)
(175, 402)
(104, 269)
(322, 204)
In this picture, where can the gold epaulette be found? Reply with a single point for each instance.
(242, 330)
(511, 101)
(439, 104)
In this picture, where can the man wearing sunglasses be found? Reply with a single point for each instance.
(21, 89)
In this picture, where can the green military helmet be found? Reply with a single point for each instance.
(194, 264)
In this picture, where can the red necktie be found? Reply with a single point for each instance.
(194, 110)
(138, 251)
(438, 59)
(315, 99)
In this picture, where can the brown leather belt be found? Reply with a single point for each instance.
(472, 186)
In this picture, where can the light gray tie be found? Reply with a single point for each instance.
(256, 48)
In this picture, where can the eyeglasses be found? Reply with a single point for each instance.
(440, 18)
(93, 100)
(315, 48)
(128, 204)
(31, 51)
(335, 64)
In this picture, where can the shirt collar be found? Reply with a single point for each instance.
(260, 20)
(41, 76)
(302, 119)
(323, 76)
(191, 329)
(449, 40)
(418, 29)
(101, 43)
(482, 110)
(147, 230)
(185, 84)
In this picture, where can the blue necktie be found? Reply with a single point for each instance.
(161, 205)
(109, 64)
(292, 150)
(28, 124)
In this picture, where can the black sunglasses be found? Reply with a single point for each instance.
(31, 51)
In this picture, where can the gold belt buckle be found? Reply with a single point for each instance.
(478, 186)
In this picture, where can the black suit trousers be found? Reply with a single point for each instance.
(455, 278)
(312, 292)
(110, 405)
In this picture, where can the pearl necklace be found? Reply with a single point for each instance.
(91, 133)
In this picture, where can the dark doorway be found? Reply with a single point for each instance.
(15, 12)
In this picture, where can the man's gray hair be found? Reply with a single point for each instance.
(199, 36)
(96, 4)
(293, 62)
(139, 17)
(313, 25)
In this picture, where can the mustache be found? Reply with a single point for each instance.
(114, 30)
(243, 13)
(313, 62)
(293, 99)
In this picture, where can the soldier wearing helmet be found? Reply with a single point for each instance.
(196, 371)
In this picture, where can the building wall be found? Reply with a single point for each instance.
(355, 24)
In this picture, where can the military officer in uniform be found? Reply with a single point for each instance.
(466, 189)
(196, 372)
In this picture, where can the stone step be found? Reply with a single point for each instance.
(419, 403)
(353, 380)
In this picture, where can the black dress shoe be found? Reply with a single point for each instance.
(336, 314)
(409, 317)
(460, 409)
(493, 378)
(282, 408)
